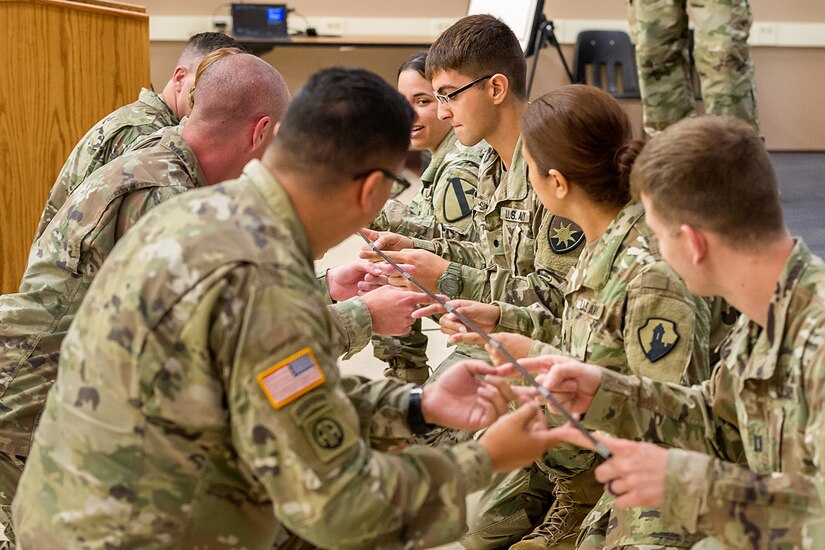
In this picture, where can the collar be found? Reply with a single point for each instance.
(172, 140)
(446, 145)
(600, 255)
(279, 204)
(513, 184)
(156, 102)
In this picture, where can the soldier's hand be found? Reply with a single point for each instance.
(357, 277)
(518, 438)
(517, 345)
(571, 382)
(484, 315)
(635, 474)
(428, 267)
(468, 396)
(383, 240)
(391, 309)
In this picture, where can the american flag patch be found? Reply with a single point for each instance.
(291, 378)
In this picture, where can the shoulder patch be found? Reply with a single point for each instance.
(288, 380)
(658, 337)
(458, 199)
(564, 235)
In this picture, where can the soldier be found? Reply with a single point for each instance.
(118, 131)
(625, 308)
(746, 469)
(211, 407)
(240, 98)
(478, 68)
(442, 209)
(660, 32)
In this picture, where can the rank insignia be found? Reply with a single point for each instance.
(564, 235)
(658, 337)
(458, 199)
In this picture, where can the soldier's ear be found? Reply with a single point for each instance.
(558, 183)
(262, 133)
(373, 192)
(178, 77)
(500, 86)
(697, 241)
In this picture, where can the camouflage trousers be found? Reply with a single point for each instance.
(405, 355)
(660, 31)
(11, 468)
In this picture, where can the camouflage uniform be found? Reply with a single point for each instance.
(660, 32)
(107, 140)
(63, 263)
(629, 311)
(212, 408)
(440, 210)
(762, 407)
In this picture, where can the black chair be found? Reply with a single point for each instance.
(610, 56)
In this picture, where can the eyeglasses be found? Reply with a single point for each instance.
(399, 183)
(446, 98)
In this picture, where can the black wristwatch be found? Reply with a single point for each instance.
(415, 418)
(450, 283)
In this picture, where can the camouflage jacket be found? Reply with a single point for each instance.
(211, 407)
(522, 253)
(107, 140)
(62, 264)
(764, 405)
(445, 203)
(626, 309)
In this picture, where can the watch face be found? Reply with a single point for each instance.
(449, 286)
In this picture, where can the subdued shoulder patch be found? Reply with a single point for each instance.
(658, 337)
(564, 235)
(458, 199)
(291, 378)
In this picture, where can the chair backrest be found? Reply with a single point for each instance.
(610, 60)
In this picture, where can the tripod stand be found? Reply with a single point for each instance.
(545, 34)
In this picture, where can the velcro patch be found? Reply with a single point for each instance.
(658, 337)
(291, 378)
(458, 200)
(515, 215)
(564, 235)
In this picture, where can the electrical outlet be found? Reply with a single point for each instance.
(332, 25)
(764, 34)
(439, 25)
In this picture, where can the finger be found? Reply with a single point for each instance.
(571, 434)
(389, 269)
(542, 363)
(526, 415)
(449, 325)
(464, 337)
(416, 298)
(506, 390)
(491, 395)
(432, 309)
(371, 234)
(477, 367)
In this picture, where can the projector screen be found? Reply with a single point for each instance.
(520, 15)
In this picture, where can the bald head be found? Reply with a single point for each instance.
(236, 90)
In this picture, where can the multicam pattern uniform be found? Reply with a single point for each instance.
(762, 406)
(63, 263)
(105, 141)
(158, 433)
(442, 209)
(618, 293)
(660, 32)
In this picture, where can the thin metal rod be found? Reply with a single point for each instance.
(600, 448)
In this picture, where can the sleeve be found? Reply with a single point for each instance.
(466, 253)
(296, 427)
(136, 204)
(352, 317)
(533, 321)
(660, 334)
(699, 418)
(743, 508)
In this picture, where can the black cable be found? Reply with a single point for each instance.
(309, 30)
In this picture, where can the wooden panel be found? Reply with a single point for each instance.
(65, 69)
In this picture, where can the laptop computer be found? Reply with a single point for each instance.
(259, 22)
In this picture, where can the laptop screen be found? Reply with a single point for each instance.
(259, 20)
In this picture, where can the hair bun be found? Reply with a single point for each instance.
(624, 158)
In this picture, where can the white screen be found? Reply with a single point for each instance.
(518, 14)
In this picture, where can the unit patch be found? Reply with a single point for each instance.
(291, 378)
(658, 337)
(458, 200)
(564, 235)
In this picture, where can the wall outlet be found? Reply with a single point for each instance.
(331, 25)
(439, 25)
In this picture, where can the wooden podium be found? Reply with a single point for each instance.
(64, 66)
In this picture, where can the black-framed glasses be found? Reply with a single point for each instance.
(446, 98)
(399, 183)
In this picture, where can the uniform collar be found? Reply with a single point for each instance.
(155, 101)
(440, 153)
(600, 255)
(172, 140)
(513, 184)
(279, 203)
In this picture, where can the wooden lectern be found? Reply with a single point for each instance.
(64, 66)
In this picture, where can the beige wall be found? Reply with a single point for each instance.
(789, 80)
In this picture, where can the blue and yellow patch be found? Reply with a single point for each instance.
(658, 337)
(564, 235)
